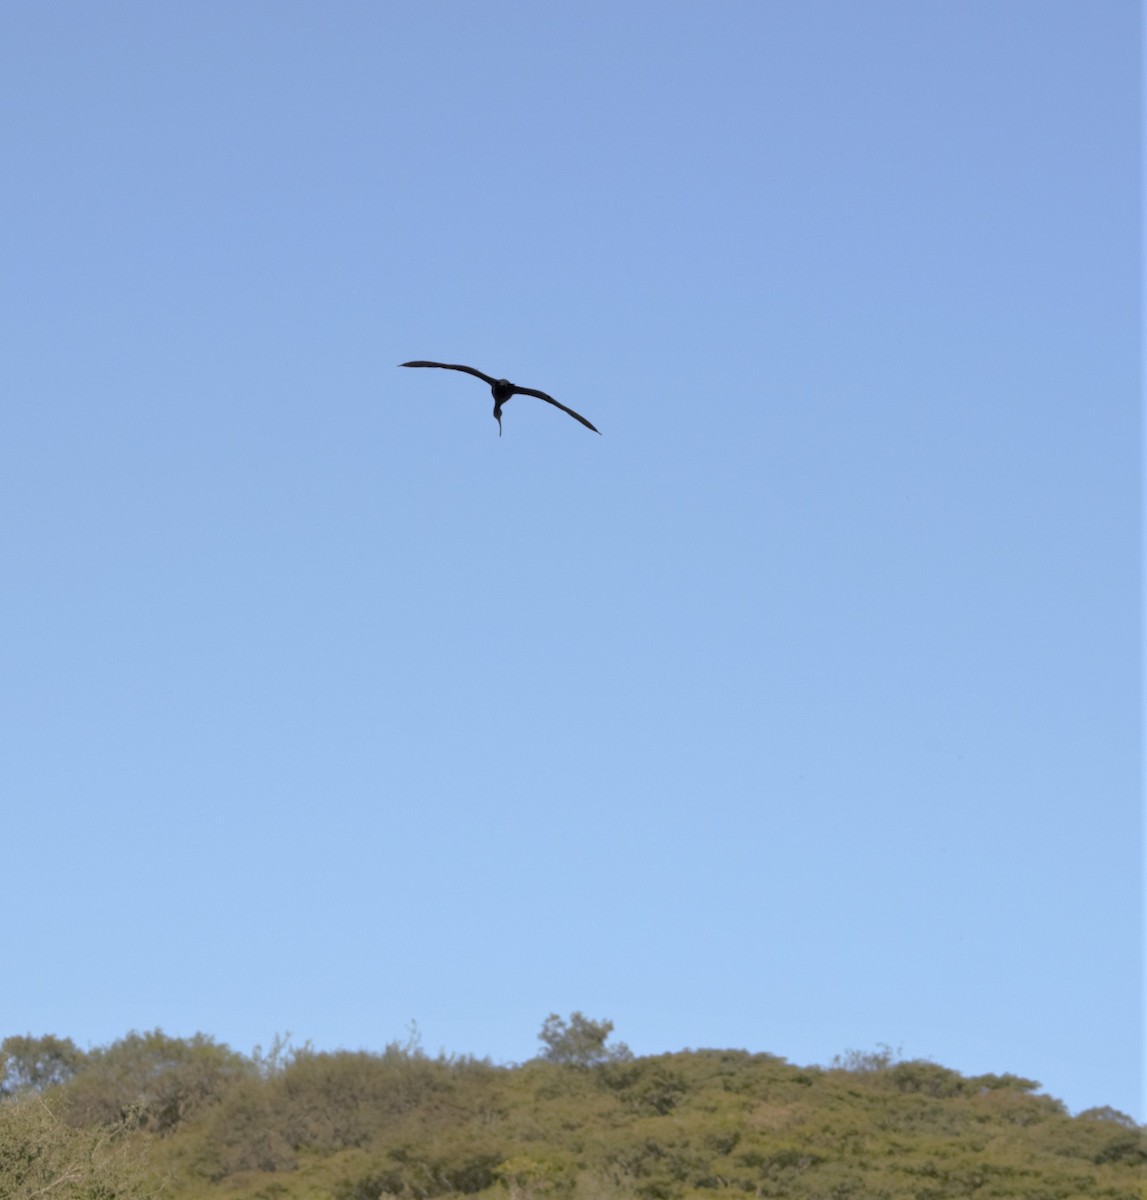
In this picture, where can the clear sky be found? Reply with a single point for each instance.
(798, 712)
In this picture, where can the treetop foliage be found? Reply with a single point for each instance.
(30, 1064)
(579, 1042)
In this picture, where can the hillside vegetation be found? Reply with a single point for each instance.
(192, 1119)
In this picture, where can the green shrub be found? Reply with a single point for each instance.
(153, 1081)
(423, 1172)
(42, 1156)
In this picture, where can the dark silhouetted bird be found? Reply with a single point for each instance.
(503, 389)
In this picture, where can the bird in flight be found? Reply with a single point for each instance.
(503, 389)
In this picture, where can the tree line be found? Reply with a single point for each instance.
(584, 1120)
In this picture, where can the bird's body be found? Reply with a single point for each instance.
(502, 390)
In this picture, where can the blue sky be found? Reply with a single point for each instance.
(798, 712)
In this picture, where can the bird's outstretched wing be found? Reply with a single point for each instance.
(452, 367)
(550, 400)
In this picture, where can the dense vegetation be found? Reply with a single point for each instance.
(194, 1120)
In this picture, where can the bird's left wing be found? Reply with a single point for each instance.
(550, 400)
(451, 367)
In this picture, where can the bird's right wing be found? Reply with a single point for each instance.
(451, 367)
